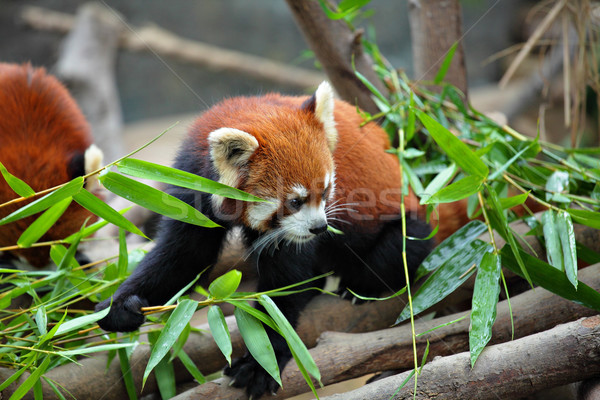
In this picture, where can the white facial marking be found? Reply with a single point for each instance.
(330, 181)
(258, 213)
(300, 191)
(297, 226)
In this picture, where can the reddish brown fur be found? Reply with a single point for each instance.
(41, 128)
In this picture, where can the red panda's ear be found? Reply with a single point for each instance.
(92, 161)
(230, 150)
(323, 109)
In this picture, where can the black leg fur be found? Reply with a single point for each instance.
(181, 252)
(371, 264)
(286, 266)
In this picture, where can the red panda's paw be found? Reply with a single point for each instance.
(246, 372)
(125, 314)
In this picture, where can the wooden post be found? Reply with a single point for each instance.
(435, 25)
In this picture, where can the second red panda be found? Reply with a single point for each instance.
(45, 141)
(317, 166)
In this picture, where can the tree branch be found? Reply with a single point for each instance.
(342, 356)
(567, 353)
(335, 45)
(167, 44)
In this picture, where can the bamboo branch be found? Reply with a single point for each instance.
(166, 44)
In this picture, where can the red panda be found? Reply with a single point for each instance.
(317, 166)
(45, 141)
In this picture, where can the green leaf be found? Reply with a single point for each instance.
(154, 200)
(106, 212)
(175, 324)
(177, 177)
(95, 349)
(585, 217)
(44, 222)
(553, 250)
(69, 190)
(225, 285)
(165, 378)
(188, 363)
(220, 331)
(449, 276)
(16, 184)
(450, 246)
(510, 202)
(126, 374)
(80, 322)
(514, 158)
(458, 152)
(504, 229)
(485, 299)
(290, 335)
(123, 255)
(31, 380)
(41, 320)
(557, 184)
(371, 87)
(437, 183)
(441, 74)
(458, 190)
(568, 246)
(258, 343)
(551, 279)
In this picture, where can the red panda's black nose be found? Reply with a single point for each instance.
(315, 230)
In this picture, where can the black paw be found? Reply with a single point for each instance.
(125, 314)
(246, 372)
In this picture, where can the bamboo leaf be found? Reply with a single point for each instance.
(188, 363)
(458, 190)
(450, 275)
(95, 349)
(126, 373)
(31, 380)
(220, 331)
(97, 207)
(454, 148)
(450, 246)
(485, 299)
(41, 320)
(16, 184)
(69, 190)
(505, 230)
(290, 335)
(177, 177)
(258, 343)
(80, 322)
(551, 279)
(165, 378)
(225, 285)
(553, 250)
(44, 222)
(437, 183)
(585, 217)
(154, 200)
(441, 74)
(179, 318)
(568, 246)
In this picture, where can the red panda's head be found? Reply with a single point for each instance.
(280, 150)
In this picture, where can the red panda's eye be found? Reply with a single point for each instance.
(295, 203)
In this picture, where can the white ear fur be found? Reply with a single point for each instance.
(93, 158)
(324, 112)
(230, 149)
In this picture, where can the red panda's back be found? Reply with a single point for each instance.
(43, 139)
